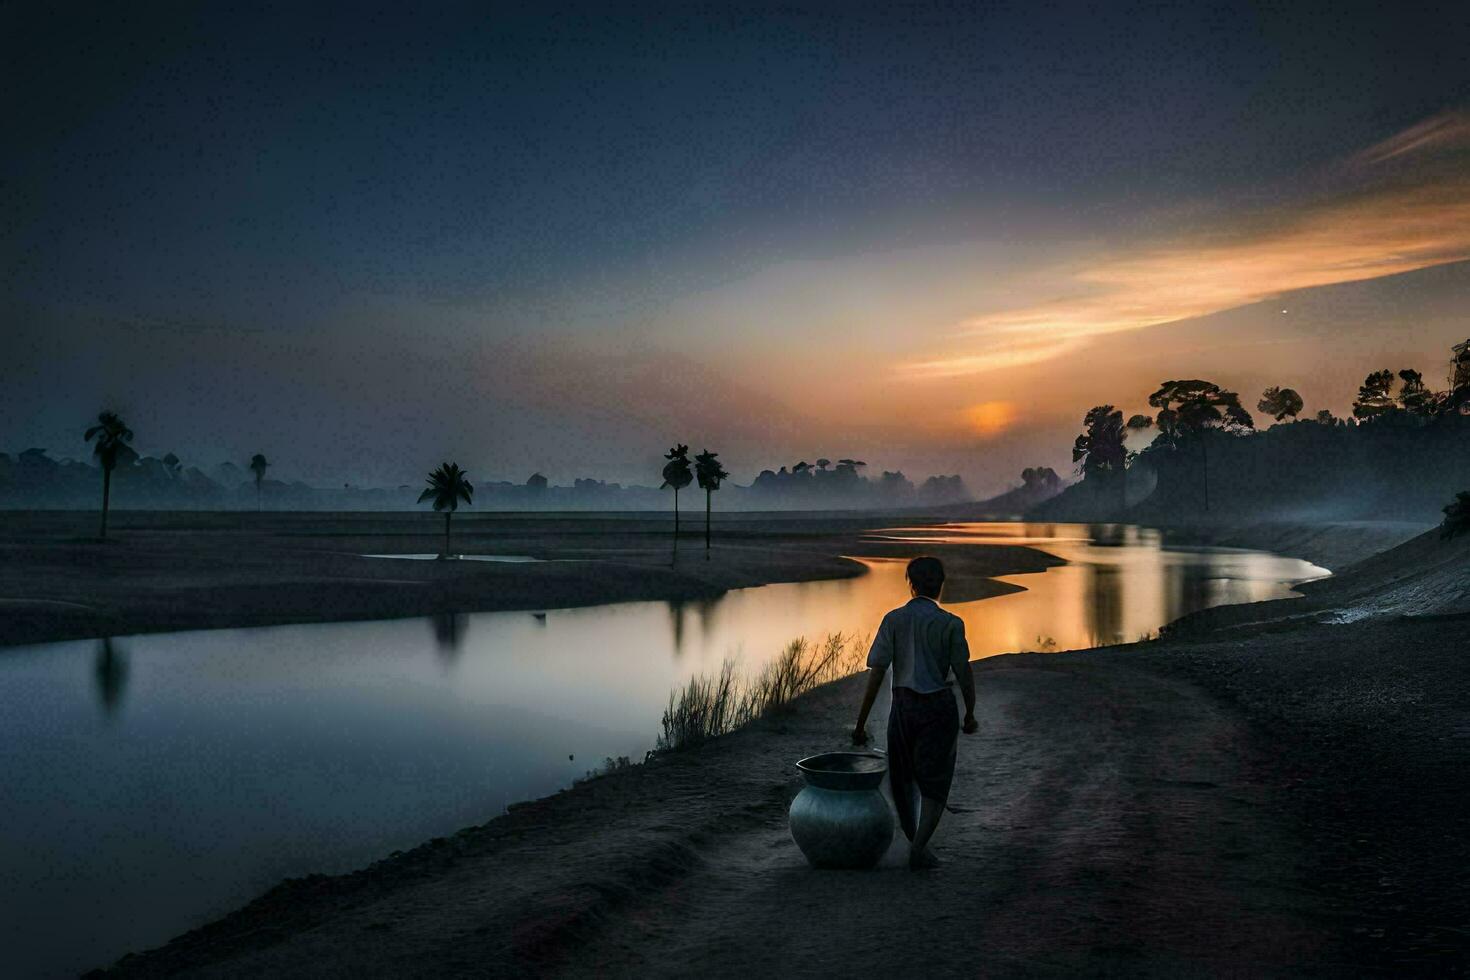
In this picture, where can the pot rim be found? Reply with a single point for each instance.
(819, 770)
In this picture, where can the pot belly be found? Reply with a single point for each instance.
(841, 828)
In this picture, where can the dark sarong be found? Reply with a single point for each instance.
(923, 731)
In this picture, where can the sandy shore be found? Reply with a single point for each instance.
(162, 572)
(1282, 796)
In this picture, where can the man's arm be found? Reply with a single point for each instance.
(879, 657)
(875, 684)
(967, 689)
(959, 662)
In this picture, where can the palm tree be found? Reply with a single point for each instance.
(709, 472)
(447, 487)
(112, 435)
(678, 476)
(258, 466)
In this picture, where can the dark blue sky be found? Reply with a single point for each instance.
(568, 171)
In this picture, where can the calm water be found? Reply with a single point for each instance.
(152, 783)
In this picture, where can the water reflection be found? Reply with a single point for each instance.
(112, 676)
(1106, 584)
(707, 610)
(449, 633)
(246, 756)
(676, 624)
(1120, 583)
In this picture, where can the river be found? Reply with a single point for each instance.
(155, 782)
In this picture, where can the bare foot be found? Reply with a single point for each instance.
(923, 860)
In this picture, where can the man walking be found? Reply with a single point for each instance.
(924, 645)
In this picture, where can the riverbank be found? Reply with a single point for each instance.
(166, 572)
(1269, 804)
(1334, 545)
(1281, 797)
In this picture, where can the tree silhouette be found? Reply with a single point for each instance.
(1040, 477)
(678, 476)
(1280, 403)
(1325, 417)
(1191, 410)
(448, 485)
(846, 476)
(258, 465)
(1414, 397)
(1373, 396)
(709, 472)
(112, 435)
(1099, 452)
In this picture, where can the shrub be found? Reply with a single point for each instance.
(711, 705)
(704, 708)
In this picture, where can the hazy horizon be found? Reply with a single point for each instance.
(365, 241)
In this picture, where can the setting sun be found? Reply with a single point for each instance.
(989, 419)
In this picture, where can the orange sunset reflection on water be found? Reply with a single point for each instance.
(1120, 583)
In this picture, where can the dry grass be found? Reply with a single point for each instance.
(711, 705)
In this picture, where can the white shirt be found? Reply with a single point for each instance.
(922, 643)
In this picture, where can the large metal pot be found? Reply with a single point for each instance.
(840, 819)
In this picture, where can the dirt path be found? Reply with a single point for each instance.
(1103, 820)
(1106, 820)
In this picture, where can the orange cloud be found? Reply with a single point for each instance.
(1393, 228)
(1449, 128)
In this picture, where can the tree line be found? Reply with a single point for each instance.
(110, 439)
(449, 486)
(1191, 416)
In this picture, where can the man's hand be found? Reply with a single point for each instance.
(971, 726)
(875, 681)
